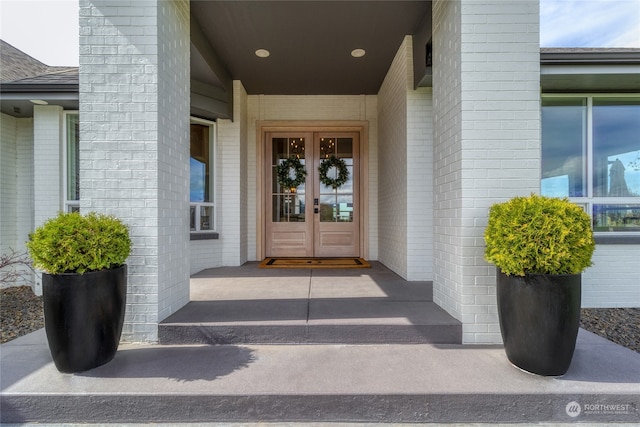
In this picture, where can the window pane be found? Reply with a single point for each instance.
(328, 208)
(192, 218)
(616, 218)
(200, 164)
(564, 147)
(288, 208)
(73, 157)
(206, 218)
(616, 148)
(285, 148)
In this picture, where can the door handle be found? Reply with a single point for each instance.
(315, 202)
(316, 210)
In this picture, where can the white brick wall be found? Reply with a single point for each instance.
(134, 149)
(487, 143)
(232, 188)
(405, 173)
(173, 154)
(392, 169)
(420, 184)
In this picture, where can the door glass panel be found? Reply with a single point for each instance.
(336, 204)
(288, 203)
(288, 208)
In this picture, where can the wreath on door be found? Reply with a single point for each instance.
(341, 167)
(285, 176)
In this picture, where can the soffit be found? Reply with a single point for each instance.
(310, 43)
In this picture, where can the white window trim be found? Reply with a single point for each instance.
(68, 205)
(212, 186)
(589, 201)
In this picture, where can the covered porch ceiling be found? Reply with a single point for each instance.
(310, 44)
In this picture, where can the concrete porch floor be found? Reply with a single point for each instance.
(326, 382)
(252, 305)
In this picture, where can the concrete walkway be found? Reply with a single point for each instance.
(329, 383)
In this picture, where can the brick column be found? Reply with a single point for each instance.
(134, 144)
(486, 82)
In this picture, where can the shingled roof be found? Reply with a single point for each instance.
(17, 66)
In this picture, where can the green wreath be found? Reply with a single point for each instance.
(341, 167)
(284, 172)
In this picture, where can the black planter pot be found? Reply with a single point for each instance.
(83, 316)
(539, 320)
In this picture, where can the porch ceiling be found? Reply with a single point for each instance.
(310, 43)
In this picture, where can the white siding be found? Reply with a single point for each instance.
(8, 182)
(614, 278)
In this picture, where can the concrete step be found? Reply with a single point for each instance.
(318, 383)
(312, 321)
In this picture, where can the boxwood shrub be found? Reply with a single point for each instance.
(539, 235)
(73, 243)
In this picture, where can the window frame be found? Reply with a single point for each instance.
(198, 206)
(589, 201)
(69, 205)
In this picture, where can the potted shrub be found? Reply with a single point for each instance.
(84, 286)
(540, 246)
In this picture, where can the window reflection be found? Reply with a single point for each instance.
(608, 153)
(563, 148)
(616, 148)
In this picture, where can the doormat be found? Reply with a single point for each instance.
(314, 263)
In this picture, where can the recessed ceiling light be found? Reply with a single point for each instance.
(38, 102)
(358, 53)
(262, 53)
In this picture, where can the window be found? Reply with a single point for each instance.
(72, 162)
(201, 190)
(591, 154)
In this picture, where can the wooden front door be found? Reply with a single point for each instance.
(320, 217)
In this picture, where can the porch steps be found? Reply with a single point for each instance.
(326, 383)
(270, 306)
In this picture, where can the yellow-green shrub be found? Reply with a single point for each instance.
(539, 235)
(73, 243)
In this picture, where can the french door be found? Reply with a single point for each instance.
(312, 194)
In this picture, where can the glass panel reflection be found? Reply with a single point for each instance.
(616, 148)
(288, 208)
(336, 205)
(616, 218)
(206, 215)
(563, 147)
(288, 204)
(192, 218)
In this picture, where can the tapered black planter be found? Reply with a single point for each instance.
(539, 320)
(83, 316)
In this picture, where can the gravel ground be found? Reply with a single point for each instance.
(21, 313)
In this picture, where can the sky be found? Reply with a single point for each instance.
(48, 29)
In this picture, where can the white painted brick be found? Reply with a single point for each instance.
(482, 49)
(134, 147)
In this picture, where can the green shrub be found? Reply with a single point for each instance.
(72, 243)
(539, 235)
